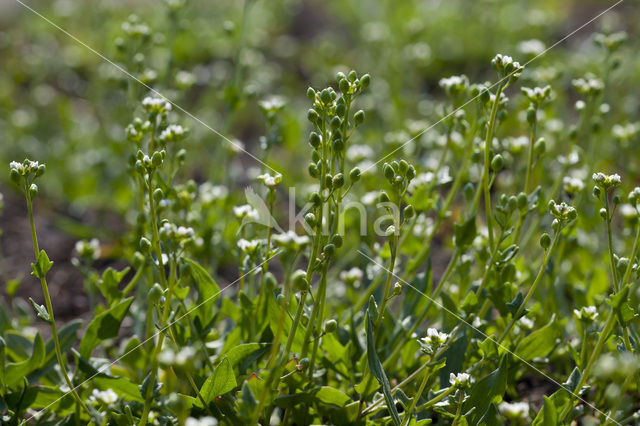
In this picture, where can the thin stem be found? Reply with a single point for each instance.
(423, 384)
(387, 284)
(614, 270)
(49, 305)
(532, 290)
(485, 171)
(459, 410)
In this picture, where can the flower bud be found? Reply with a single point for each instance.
(358, 117)
(281, 300)
(315, 199)
(336, 240)
(531, 115)
(314, 139)
(145, 245)
(310, 219)
(33, 190)
(521, 201)
(304, 363)
(156, 158)
(312, 116)
(344, 85)
(337, 181)
(270, 281)
(388, 171)
(540, 147)
(545, 241)
(155, 293)
(157, 195)
(311, 94)
(325, 96)
(313, 170)
(383, 197)
(335, 123)
(365, 80)
(397, 289)
(603, 213)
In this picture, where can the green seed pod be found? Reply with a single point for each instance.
(403, 166)
(310, 219)
(139, 167)
(512, 203)
(338, 181)
(311, 94)
(329, 250)
(355, 174)
(353, 76)
(155, 293)
(330, 326)
(358, 117)
(281, 300)
(338, 145)
(341, 109)
(15, 176)
(328, 181)
(616, 199)
(411, 172)
(497, 163)
(555, 225)
(522, 201)
(270, 281)
(157, 195)
(299, 280)
(41, 169)
(325, 96)
(545, 241)
(388, 171)
(156, 159)
(315, 157)
(484, 96)
(314, 139)
(344, 85)
(313, 170)
(145, 245)
(313, 116)
(383, 197)
(138, 260)
(181, 155)
(531, 115)
(335, 123)
(603, 213)
(540, 147)
(315, 199)
(397, 289)
(409, 211)
(33, 190)
(336, 240)
(365, 80)
(596, 191)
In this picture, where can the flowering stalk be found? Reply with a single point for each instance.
(23, 174)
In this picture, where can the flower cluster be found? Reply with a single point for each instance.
(455, 85)
(156, 106)
(270, 181)
(173, 133)
(562, 211)
(606, 182)
(148, 164)
(588, 86)
(89, 250)
(433, 340)
(460, 380)
(507, 67)
(537, 95)
(586, 313)
(181, 235)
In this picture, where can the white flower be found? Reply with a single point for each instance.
(203, 421)
(514, 410)
(460, 380)
(291, 240)
(107, 397)
(25, 168)
(156, 105)
(586, 313)
(531, 47)
(245, 211)
(88, 249)
(270, 181)
(173, 133)
(352, 275)
(434, 338)
(357, 153)
(572, 185)
(607, 181)
(248, 246)
(209, 193)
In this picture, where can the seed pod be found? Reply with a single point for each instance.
(270, 281)
(344, 85)
(358, 117)
(299, 280)
(155, 293)
(328, 181)
(312, 116)
(315, 199)
(336, 239)
(545, 241)
(365, 80)
(281, 300)
(355, 174)
(310, 219)
(497, 163)
(145, 245)
(325, 96)
(335, 123)
(521, 201)
(33, 190)
(313, 170)
(383, 197)
(540, 147)
(329, 250)
(409, 211)
(338, 181)
(388, 171)
(330, 326)
(156, 159)
(531, 115)
(311, 94)
(314, 139)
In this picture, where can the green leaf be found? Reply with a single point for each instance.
(487, 390)
(220, 382)
(376, 368)
(465, 233)
(274, 314)
(12, 287)
(549, 416)
(539, 343)
(109, 282)
(329, 395)
(41, 311)
(248, 351)
(16, 372)
(514, 305)
(208, 292)
(42, 265)
(104, 326)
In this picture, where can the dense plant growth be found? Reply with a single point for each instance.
(480, 267)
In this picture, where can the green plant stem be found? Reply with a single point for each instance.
(487, 160)
(443, 280)
(459, 410)
(167, 304)
(49, 305)
(322, 296)
(387, 284)
(614, 270)
(532, 290)
(423, 384)
(611, 320)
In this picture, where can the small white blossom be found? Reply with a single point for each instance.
(460, 380)
(88, 249)
(351, 276)
(245, 211)
(108, 397)
(209, 193)
(248, 246)
(173, 133)
(586, 313)
(203, 421)
(270, 181)
(156, 105)
(291, 240)
(531, 47)
(514, 410)
(572, 185)
(434, 338)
